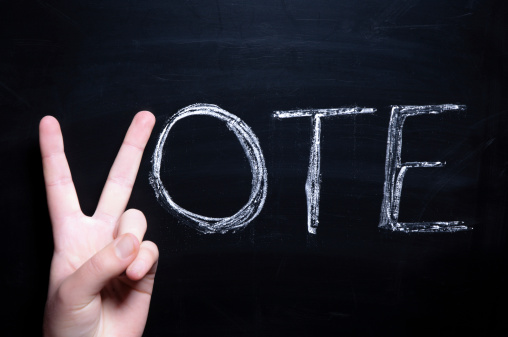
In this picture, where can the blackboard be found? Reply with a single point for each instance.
(93, 64)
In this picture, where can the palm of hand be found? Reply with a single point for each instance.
(83, 299)
(120, 304)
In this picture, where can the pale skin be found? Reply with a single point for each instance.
(102, 272)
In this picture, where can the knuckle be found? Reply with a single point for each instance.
(135, 218)
(132, 145)
(152, 249)
(64, 294)
(122, 181)
(59, 181)
(135, 213)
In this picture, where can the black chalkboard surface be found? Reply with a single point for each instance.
(335, 244)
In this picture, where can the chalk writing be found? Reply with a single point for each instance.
(313, 183)
(395, 171)
(252, 149)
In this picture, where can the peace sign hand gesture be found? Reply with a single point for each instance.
(102, 271)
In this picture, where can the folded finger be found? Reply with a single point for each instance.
(134, 222)
(145, 263)
(88, 280)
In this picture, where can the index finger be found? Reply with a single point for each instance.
(60, 190)
(121, 178)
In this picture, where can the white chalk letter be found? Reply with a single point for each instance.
(252, 149)
(395, 171)
(313, 183)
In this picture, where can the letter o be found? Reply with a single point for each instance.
(254, 154)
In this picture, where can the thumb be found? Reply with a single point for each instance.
(85, 283)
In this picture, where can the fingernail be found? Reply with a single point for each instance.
(125, 247)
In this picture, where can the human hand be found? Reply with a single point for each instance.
(102, 272)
